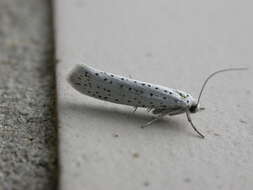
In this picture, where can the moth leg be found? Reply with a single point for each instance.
(176, 112)
(195, 129)
(171, 111)
(158, 111)
(149, 109)
(133, 112)
(135, 108)
(153, 120)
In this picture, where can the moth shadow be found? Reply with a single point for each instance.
(125, 116)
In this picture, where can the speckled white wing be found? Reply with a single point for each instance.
(122, 90)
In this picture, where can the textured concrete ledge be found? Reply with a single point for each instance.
(28, 134)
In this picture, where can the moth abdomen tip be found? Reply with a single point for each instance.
(73, 75)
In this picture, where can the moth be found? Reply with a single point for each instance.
(160, 100)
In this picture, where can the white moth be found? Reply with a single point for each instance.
(122, 90)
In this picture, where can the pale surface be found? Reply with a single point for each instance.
(172, 43)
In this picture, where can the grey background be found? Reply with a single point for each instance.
(174, 43)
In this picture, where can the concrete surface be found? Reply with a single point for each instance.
(172, 43)
(28, 138)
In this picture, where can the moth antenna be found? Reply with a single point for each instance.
(213, 74)
(193, 126)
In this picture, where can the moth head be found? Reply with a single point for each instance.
(194, 107)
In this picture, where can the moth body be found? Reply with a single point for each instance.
(122, 90)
